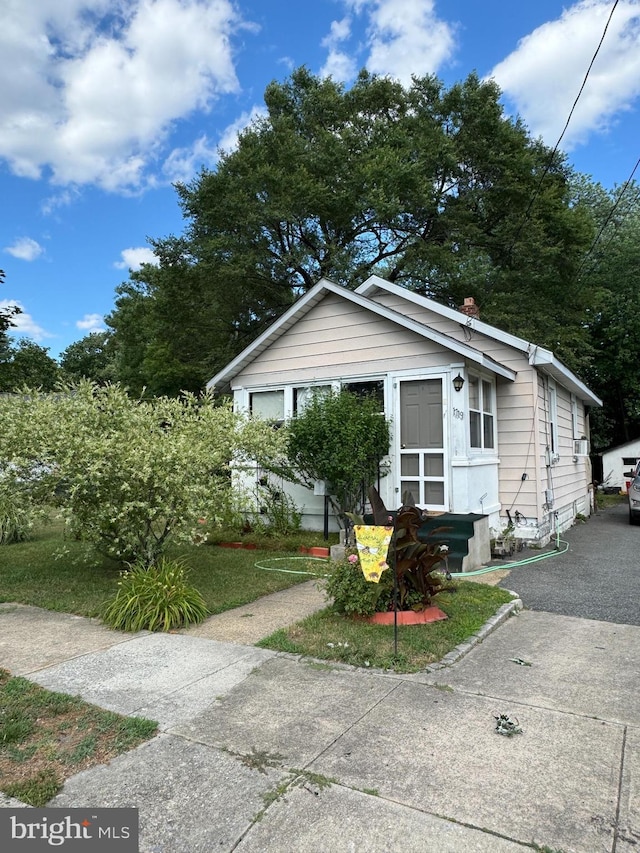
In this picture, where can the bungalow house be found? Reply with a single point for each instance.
(483, 422)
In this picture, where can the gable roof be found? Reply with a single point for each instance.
(538, 356)
(364, 296)
(632, 444)
(313, 296)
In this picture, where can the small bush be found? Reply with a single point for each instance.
(157, 598)
(352, 594)
(16, 519)
(279, 515)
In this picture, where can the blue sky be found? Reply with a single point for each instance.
(103, 103)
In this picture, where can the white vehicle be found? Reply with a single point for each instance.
(633, 494)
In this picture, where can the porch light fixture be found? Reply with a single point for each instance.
(458, 382)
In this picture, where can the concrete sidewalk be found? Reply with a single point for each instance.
(262, 752)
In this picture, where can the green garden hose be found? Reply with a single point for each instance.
(484, 571)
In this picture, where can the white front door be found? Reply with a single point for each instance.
(422, 452)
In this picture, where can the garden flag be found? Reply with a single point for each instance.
(373, 546)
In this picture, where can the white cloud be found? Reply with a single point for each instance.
(23, 323)
(89, 89)
(61, 199)
(229, 139)
(182, 164)
(25, 249)
(339, 65)
(133, 258)
(405, 37)
(91, 323)
(544, 74)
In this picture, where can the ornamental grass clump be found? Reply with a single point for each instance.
(157, 598)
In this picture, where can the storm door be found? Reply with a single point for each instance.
(422, 448)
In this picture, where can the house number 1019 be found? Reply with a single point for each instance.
(458, 414)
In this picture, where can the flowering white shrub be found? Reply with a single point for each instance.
(129, 473)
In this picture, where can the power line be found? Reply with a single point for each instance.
(625, 187)
(564, 130)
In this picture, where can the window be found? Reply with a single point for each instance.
(553, 419)
(574, 417)
(268, 405)
(373, 388)
(303, 396)
(481, 413)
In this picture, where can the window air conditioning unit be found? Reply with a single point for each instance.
(580, 447)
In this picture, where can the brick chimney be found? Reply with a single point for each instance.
(470, 308)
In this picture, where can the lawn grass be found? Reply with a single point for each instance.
(61, 574)
(333, 637)
(45, 737)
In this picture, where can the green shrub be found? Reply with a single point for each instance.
(341, 438)
(352, 594)
(157, 598)
(279, 515)
(132, 476)
(16, 518)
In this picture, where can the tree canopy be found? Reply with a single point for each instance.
(92, 357)
(429, 187)
(6, 322)
(611, 273)
(26, 363)
(435, 189)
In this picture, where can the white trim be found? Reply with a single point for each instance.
(552, 434)
(318, 292)
(444, 376)
(538, 356)
(480, 450)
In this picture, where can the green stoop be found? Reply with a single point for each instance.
(466, 535)
(460, 530)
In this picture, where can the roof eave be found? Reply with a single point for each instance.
(557, 370)
(299, 307)
(313, 296)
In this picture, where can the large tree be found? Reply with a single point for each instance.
(26, 363)
(611, 273)
(434, 188)
(92, 357)
(6, 322)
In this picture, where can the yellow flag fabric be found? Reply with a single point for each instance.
(373, 546)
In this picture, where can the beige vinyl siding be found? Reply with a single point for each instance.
(334, 341)
(519, 439)
(518, 444)
(500, 352)
(568, 476)
(518, 432)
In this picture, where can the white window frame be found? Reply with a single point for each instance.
(574, 418)
(256, 391)
(552, 418)
(484, 413)
(298, 405)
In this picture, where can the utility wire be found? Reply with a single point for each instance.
(555, 149)
(625, 187)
